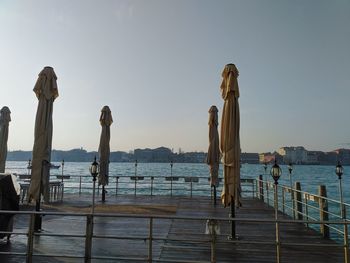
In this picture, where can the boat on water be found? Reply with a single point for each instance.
(52, 166)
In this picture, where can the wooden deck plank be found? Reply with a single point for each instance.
(170, 229)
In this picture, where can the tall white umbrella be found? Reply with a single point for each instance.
(46, 91)
(104, 149)
(5, 118)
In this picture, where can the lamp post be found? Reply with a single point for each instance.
(135, 176)
(29, 167)
(171, 177)
(94, 170)
(339, 172)
(267, 184)
(62, 186)
(290, 169)
(276, 174)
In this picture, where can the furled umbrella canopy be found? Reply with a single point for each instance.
(213, 158)
(230, 141)
(5, 118)
(104, 149)
(46, 91)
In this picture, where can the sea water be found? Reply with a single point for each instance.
(310, 176)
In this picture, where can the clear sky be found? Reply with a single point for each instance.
(157, 65)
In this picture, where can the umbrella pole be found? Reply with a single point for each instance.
(233, 223)
(214, 195)
(103, 194)
(38, 217)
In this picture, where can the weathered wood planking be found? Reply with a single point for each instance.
(170, 229)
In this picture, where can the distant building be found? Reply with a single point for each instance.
(295, 155)
(313, 157)
(252, 158)
(270, 157)
(328, 158)
(161, 154)
(343, 156)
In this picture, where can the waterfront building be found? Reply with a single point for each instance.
(252, 158)
(270, 157)
(343, 156)
(296, 155)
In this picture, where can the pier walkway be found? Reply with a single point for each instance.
(177, 233)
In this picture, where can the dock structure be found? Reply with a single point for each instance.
(129, 228)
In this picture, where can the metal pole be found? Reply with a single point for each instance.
(116, 185)
(103, 194)
(212, 247)
(343, 216)
(171, 179)
(93, 195)
(62, 186)
(135, 186)
(214, 195)
(233, 223)
(278, 256)
(80, 185)
(30, 239)
(291, 193)
(267, 190)
(171, 186)
(150, 241)
(88, 238)
(152, 178)
(38, 217)
(191, 187)
(135, 176)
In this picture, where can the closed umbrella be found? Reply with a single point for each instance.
(46, 92)
(230, 142)
(213, 158)
(5, 118)
(104, 149)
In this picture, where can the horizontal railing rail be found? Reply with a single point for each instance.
(209, 241)
(301, 205)
(143, 185)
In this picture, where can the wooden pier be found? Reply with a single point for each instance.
(181, 238)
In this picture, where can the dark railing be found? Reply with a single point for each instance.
(303, 207)
(209, 241)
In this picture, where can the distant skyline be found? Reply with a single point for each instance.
(157, 65)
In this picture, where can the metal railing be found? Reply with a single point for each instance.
(148, 185)
(310, 208)
(149, 237)
(303, 207)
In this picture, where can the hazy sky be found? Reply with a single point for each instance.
(157, 65)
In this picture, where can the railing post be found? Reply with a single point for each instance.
(116, 185)
(278, 244)
(88, 238)
(307, 209)
(267, 192)
(171, 186)
(283, 200)
(191, 187)
(212, 248)
(150, 241)
(323, 205)
(80, 185)
(298, 202)
(30, 239)
(152, 178)
(261, 188)
(135, 186)
(253, 188)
